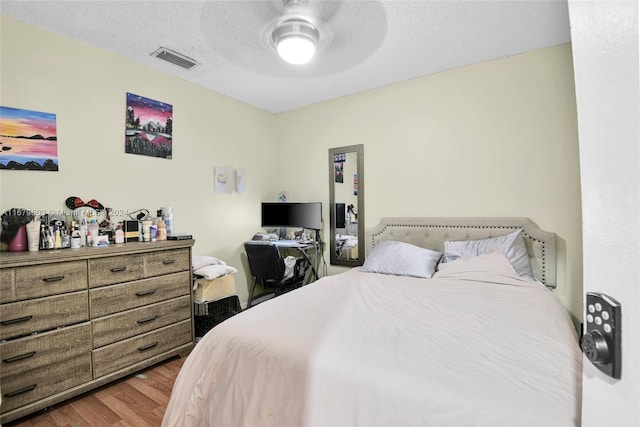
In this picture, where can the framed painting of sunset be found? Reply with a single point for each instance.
(28, 140)
(149, 126)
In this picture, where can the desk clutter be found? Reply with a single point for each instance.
(215, 297)
(83, 224)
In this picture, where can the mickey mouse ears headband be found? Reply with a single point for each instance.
(76, 202)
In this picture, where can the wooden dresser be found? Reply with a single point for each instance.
(75, 319)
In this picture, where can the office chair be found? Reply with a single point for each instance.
(268, 268)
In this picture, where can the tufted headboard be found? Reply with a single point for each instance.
(431, 233)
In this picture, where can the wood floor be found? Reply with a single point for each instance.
(136, 401)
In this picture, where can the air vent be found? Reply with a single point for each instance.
(175, 58)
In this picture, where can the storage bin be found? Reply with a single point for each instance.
(211, 290)
(208, 314)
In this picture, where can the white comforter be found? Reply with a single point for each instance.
(462, 348)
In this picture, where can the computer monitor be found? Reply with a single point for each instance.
(341, 210)
(292, 214)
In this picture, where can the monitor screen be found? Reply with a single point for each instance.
(341, 213)
(291, 214)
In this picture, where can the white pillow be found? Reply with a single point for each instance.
(511, 245)
(198, 262)
(490, 262)
(214, 271)
(402, 259)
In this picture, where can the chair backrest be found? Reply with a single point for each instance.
(265, 261)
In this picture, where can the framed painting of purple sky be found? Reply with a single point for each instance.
(28, 140)
(149, 127)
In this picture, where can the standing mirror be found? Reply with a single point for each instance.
(346, 205)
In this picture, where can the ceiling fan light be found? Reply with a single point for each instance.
(295, 40)
(296, 50)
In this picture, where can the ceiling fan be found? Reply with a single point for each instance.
(255, 34)
(295, 38)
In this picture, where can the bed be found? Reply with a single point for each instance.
(381, 345)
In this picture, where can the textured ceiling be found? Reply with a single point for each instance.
(363, 44)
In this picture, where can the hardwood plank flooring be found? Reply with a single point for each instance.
(135, 401)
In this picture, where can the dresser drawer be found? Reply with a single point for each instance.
(32, 352)
(19, 390)
(115, 269)
(7, 284)
(133, 350)
(116, 327)
(26, 317)
(164, 262)
(43, 280)
(117, 298)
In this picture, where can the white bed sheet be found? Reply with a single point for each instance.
(376, 350)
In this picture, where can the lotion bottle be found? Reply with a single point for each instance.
(119, 234)
(162, 230)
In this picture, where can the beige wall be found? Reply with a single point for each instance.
(493, 139)
(86, 88)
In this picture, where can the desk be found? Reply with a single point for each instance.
(268, 268)
(308, 249)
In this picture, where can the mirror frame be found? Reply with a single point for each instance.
(333, 259)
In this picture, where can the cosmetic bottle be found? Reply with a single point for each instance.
(33, 235)
(66, 238)
(93, 232)
(44, 240)
(119, 234)
(51, 241)
(146, 229)
(167, 216)
(75, 238)
(57, 241)
(162, 230)
(83, 232)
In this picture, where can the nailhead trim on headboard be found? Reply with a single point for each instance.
(432, 232)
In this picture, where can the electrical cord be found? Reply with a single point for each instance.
(139, 215)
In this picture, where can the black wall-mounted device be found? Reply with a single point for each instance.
(601, 341)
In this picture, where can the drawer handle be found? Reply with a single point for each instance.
(53, 279)
(20, 357)
(148, 346)
(148, 292)
(22, 390)
(118, 269)
(169, 261)
(18, 320)
(148, 319)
